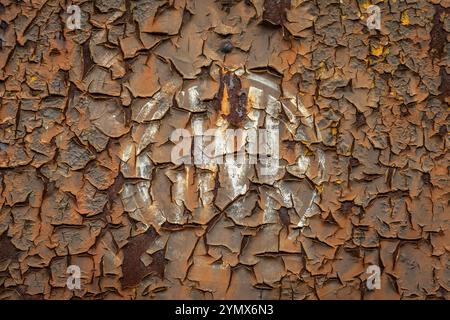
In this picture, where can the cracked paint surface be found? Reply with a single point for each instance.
(87, 179)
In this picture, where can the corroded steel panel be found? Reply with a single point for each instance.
(201, 149)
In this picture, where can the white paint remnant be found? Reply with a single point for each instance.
(321, 160)
(254, 97)
(263, 80)
(142, 188)
(232, 172)
(143, 166)
(301, 107)
(179, 192)
(292, 118)
(270, 147)
(205, 187)
(319, 133)
(193, 95)
(127, 152)
(155, 106)
(270, 214)
(303, 163)
(147, 136)
(309, 211)
(286, 194)
(146, 109)
(236, 174)
(239, 72)
(273, 106)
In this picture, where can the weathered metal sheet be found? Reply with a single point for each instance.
(201, 149)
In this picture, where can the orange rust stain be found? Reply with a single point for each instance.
(225, 103)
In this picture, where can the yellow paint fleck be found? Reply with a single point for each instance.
(334, 131)
(322, 69)
(377, 51)
(319, 188)
(404, 18)
(33, 78)
(366, 4)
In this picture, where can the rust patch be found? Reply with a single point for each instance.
(158, 264)
(88, 63)
(354, 162)
(360, 119)
(444, 87)
(404, 110)
(226, 5)
(438, 34)
(114, 190)
(172, 226)
(426, 178)
(284, 217)
(346, 207)
(275, 11)
(133, 269)
(233, 102)
(443, 131)
(7, 249)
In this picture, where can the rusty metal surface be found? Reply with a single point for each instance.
(87, 177)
